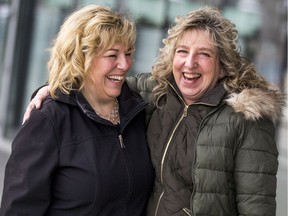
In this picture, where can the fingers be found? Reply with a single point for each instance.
(40, 96)
(28, 110)
(25, 117)
(36, 102)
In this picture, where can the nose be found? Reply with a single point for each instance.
(124, 62)
(191, 61)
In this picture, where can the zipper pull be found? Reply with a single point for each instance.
(121, 141)
(187, 211)
(185, 111)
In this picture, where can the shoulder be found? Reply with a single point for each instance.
(53, 109)
(238, 123)
(141, 83)
(257, 104)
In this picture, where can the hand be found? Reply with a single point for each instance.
(36, 101)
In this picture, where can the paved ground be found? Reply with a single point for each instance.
(3, 160)
(282, 174)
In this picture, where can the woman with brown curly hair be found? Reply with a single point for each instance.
(212, 136)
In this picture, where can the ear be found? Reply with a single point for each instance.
(221, 74)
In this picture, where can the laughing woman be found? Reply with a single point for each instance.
(212, 135)
(85, 151)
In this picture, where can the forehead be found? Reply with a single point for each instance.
(115, 47)
(193, 37)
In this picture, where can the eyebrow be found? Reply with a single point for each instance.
(112, 49)
(117, 50)
(201, 48)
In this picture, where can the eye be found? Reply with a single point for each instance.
(112, 56)
(205, 54)
(128, 54)
(181, 51)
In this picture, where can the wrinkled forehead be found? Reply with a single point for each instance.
(196, 36)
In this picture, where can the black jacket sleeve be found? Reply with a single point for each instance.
(30, 167)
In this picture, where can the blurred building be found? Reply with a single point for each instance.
(28, 26)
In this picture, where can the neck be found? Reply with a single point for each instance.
(106, 109)
(113, 116)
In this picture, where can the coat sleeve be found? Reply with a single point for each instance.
(256, 167)
(143, 85)
(29, 170)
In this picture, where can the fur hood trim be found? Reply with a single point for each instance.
(256, 103)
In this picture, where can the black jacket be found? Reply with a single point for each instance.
(68, 161)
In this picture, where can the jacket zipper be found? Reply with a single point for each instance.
(167, 146)
(169, 141)
(187, 211)
(121, 141)
(122, 146)
(184, 115)
(120, 137)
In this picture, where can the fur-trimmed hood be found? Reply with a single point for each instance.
(254, 103)
(257, 103)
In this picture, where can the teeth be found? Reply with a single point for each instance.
(191, 76)
(116, 78)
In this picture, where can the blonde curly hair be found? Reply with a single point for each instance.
(239, 72)
(84, 34)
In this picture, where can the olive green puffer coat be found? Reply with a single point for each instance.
(216, 157)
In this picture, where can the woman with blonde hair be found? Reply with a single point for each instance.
(85, 151)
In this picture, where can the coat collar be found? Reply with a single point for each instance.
(254, 103)
(211, 98)
(130, 103)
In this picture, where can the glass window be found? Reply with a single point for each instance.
(4, 18)
(49, 15)
(263, 40)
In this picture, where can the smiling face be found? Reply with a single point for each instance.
(196, 66)
(109, 70)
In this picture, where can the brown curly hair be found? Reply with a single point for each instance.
(239, 72)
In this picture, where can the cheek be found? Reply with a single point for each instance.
(212, 78)
(176, 66)
(176, 71)
(212, 70)
(129, 62)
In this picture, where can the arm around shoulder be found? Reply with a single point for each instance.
(143, 84)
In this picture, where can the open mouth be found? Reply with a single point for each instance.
(191, 76)
(116, 78)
